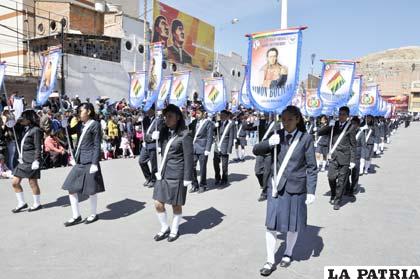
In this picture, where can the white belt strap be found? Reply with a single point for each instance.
(239, 131)
(199, 129)
(285, 162)
(340, 138)
(163, 163)
(317, 141)
(150, 127)
(90, 122)
(223, 135)
(21, 146)
(358, 135)
(368, 135)
(268, 131)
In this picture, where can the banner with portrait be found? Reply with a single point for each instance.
(137, 90)
(313, 103)
(273, 68)
(2, 73)
(243, 93)
(179, 90)
(354, 100)
(234, 101)
(336, 84)
(154, 75)
(49, 75)
(299, 100)
(214, 96)
(369, 100)
(164, 91)
(186, 39)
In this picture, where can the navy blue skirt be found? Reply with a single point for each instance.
(287, 212)
(170, 191)
(80, 180)
(322, 149)
(367, 152)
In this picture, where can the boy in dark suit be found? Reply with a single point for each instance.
(223, 147)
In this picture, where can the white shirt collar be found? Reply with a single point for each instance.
(292, 133)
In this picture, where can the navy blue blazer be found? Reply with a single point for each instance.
(301, 174)
(90, 147)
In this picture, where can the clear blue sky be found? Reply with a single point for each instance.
(338, 29)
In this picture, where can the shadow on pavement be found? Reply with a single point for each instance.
(309, 244)
(121, 209)
(63, 201)
(248, 157)
(233, 177)
(203, 220)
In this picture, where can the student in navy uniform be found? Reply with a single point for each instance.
(294, 189)
(224, 144)
(353, 181)
(85, 177)
(240, 137)
(342, 155)
(368, 150)
(30, 156)
(202, 131)
(151, 126)
(322, 144)
(175, 173)
(262, 162)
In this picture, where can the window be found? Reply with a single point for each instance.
(128, 45)
(141, 49)
(416, 95)
(239, 74)
(174, 68)
(53, 25)
(233, 72)
(40, 28)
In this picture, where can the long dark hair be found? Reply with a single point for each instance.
(295, 111)
(31, 116)
(87, 106)
(180, 125)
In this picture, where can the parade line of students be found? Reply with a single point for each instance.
(289, 155)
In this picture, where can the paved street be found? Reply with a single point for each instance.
(222, 231)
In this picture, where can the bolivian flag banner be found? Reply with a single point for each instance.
(179, 90)
(137, 89)
(214, 94)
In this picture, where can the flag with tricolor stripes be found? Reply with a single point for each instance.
(179, 90)
(336, 82)
(137, 89)
(214, 94)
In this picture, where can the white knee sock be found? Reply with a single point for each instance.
(175, 223)
(290, 242)
(270, 243)
(163, 220)
(318, 163)
(93, 199)
(324, 164)
(20, 199)
(362, 165)
(37, 200)
(382, 146)
(74, 202)
(243, 153)
(367, 166)
(237, 153)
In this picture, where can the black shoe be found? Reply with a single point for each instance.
(352, 197)
(19, 209)
(336, 205)
(73, 221)
(332, 200)
(146, 183)
(173, 238)
(217, 182)
(151, 184)
(202, 190)
(267, 271)
(262, 197)
(160, 236)
(193, 189)
(32, 209)
(284, 263)
(88, 220)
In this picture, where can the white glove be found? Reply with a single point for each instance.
(206, 153)
(11, 123)
(187, 183)
(155, 135)
(315, 129)
(310, 198)
(93, 168)
(64, 123)
(332, 123)
(159, 150)
(365, 127)
(143, 144)
(35, 165)
(72, 162)
(140, 119)
(352, 165)
(236, 122)
(216, 124)
(274, 140)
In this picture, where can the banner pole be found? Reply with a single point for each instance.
(275, 157)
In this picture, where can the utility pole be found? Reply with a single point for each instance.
(63, 83)
(283, 14)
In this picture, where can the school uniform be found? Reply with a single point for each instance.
(240, 134)
(367, 149)
(88, 153)
(202, 131)
(176, 167)
(341, 157)
(322, 143)
(30, 149)
(286, 209)
(224, 144)
(148, 152)
(355, 172)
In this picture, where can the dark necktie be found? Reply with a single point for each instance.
(288, 137)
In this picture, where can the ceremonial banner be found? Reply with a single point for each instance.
(243, 93)
(2, 73)
(49, 76)
(178, 95)
(313, 103)
(186, 39)
(336, 84)
(214, 97)
(299, 100)
(155, 73)
(369, 100)
(234, 100)
(273, 64)
(164, 92)
(354, 101)
(137, 90)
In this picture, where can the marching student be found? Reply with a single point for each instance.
(29, 159)
(342, 154)
(240, 137)
(353, 182)
(262, 162)
(85, 177)
(368, 150)
(175, 173)
(151, 126)
(294, 187)
(202, 130)
(322, 145)
(224, 143)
